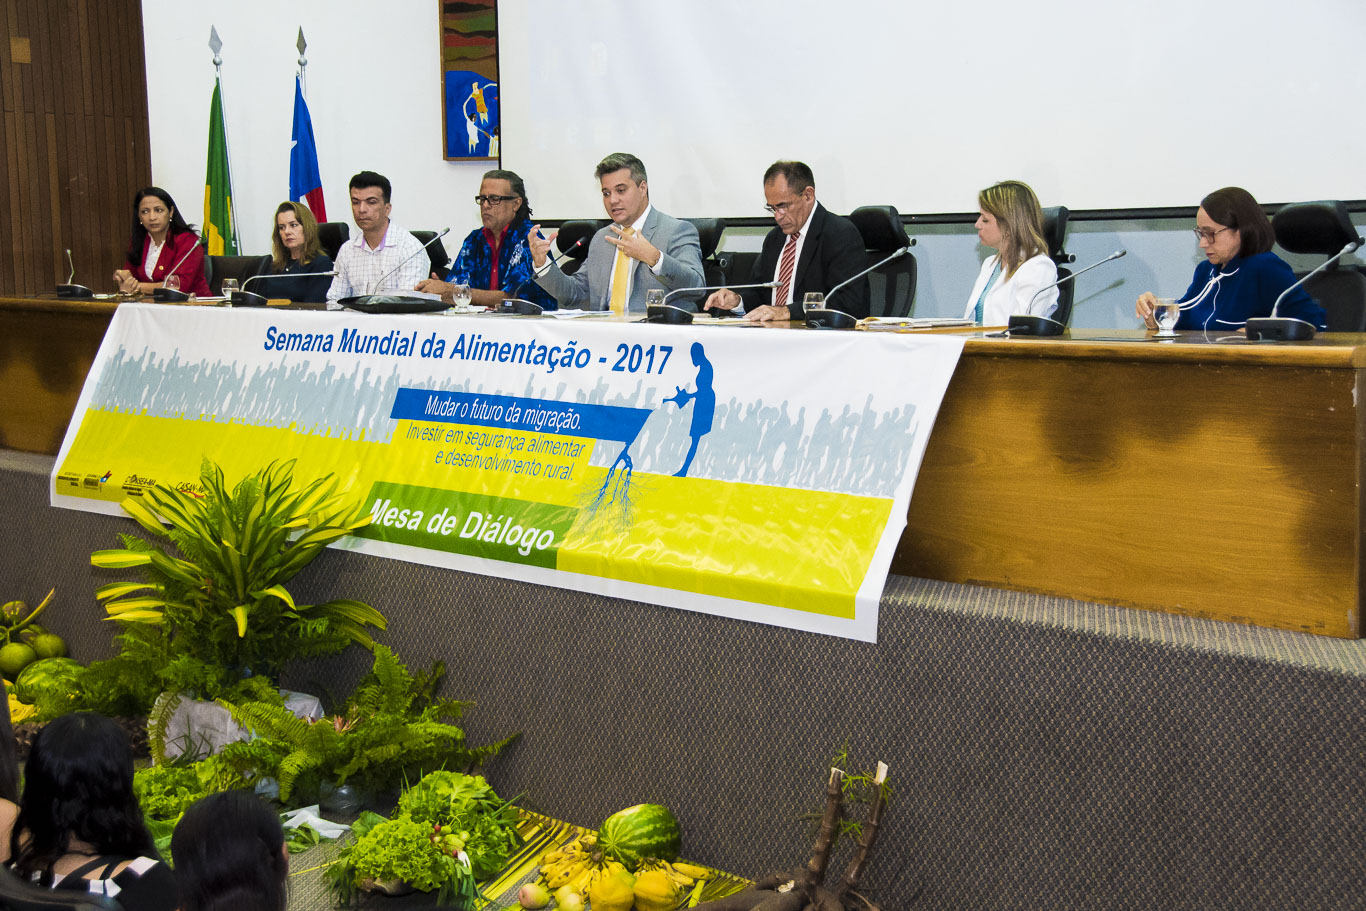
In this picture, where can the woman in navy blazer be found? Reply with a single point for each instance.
(1240, 277)
(160, 229)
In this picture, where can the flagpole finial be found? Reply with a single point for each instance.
(302, 45)
(215, 45)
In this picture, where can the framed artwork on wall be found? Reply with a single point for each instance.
(470, 105)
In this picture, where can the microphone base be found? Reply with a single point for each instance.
(1278, 329)
(1024, 324)
(668, 313)
(248, 299)
(825, 318)
(75, 291)
(518, 307)
(169, 296)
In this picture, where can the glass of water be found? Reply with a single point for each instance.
(813, 300)
(654, 296)
(229, 286)
(461, 296)
(1167, 311)
(172, 282)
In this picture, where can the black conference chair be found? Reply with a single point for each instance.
(17, 895)
(570, 233)
(1054, 234)
(1325, 228)
(332, 234)
(892, 287)
(436, 252)
(238, 267)
(709, 231)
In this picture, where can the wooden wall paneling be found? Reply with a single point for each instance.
(75, 140)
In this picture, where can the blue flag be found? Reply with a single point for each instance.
(305, 181)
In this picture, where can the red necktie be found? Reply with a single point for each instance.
(789, 262)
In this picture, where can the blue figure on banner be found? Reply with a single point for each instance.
(703, 405)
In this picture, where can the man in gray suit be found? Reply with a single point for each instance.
(642, 249)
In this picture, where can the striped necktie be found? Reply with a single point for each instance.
(621, 273)
(785, 267)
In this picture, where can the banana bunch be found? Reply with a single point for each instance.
(576, 868)
(681, 874)
(568, 865)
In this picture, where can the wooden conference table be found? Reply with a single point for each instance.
(1202, 477)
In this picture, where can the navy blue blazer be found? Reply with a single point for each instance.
(1248, 288)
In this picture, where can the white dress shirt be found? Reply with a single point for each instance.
(796, 259)
(359, 267)
(638, 224)
(1010, 296)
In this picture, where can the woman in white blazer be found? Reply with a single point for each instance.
(1011, 223)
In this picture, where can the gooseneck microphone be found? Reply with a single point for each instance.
(171, 294)
(824, 317)
(515, 303)
(665, 312)
(1275, 328)
(403, 262)
(1027, 324)
(69, 289)
(245, 298)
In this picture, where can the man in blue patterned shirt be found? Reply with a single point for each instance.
(494, 259)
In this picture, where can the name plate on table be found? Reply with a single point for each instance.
(763, 476)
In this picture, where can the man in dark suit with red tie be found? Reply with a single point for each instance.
(811, 249)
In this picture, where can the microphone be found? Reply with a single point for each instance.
(665, 312)
(1025, 324)
(1275, 328)
(515, 303)
(69, 289)
(827, 318)
(171, 294)
(405, 260)
(244, 298)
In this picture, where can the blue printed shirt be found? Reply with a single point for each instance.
(473, 266)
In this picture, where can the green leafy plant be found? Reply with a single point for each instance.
(449, 831)
(467, 806)
(392, 727)
(221, 604)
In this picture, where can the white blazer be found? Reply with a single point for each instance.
(1009, 297)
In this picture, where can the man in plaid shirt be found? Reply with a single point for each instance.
(382, 251)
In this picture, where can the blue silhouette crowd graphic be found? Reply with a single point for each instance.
(857, 451)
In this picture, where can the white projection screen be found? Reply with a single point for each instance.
(1098, 105)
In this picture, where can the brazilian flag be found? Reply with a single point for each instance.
(220, 234)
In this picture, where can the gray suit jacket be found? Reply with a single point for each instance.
(679, 267)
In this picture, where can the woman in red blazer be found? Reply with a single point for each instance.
(159, 247)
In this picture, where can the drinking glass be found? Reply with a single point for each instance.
(172, 282)
(654, 296)
(813, 300)
(229, 286)
(1167, 312)
(461, 296)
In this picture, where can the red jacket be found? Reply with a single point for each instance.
(191, 271)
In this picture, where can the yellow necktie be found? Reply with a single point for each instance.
(621, 270)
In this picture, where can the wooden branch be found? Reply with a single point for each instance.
(854, 873)
(825, 838)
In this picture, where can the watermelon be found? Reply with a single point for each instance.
(47, 678)
(645, 830)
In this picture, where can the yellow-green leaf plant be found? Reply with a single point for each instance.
(217, 593)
